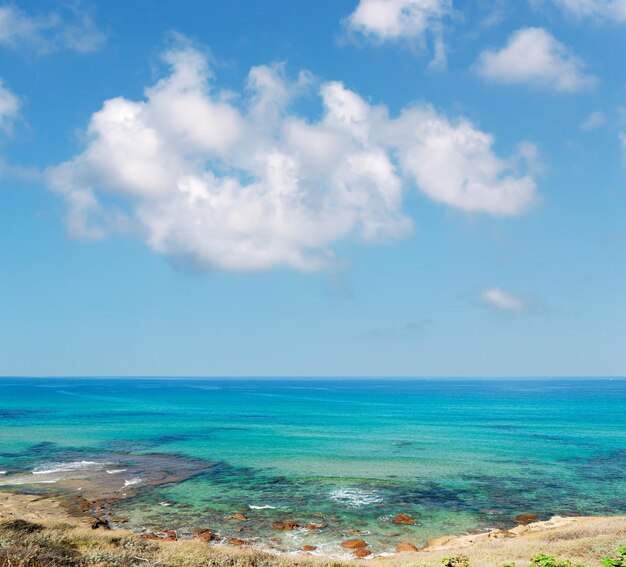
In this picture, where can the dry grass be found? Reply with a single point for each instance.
(584, 542)
(54, 544)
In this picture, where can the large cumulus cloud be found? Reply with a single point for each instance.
(241, 181)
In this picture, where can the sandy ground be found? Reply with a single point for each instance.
(36, 508)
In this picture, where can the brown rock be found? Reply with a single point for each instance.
(404, 519)
(169, 535)
(235, 541)
(206, 535)
(285, 525)
(83, 505)
(362, 553)
(406, 547)
(353, 544)
(309, 547)
(354, 532)
(118, 519)
(314, 526)
(161, 535)
(526, 518)
(238, 517)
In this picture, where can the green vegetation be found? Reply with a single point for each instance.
(542, 560)
(619, 561)
(456, 561)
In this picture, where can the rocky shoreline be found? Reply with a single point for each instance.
(83, 513)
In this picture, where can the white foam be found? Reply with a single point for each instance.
(115, 471)
(65, 467)
(22, 479)
(355, 497)
(3, 472)
(266, 507)
(132, 481)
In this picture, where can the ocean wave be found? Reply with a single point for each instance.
(132, 481)
(354, 497)
(65, 467)
(28, 480)
(265, 507)
(115, 471)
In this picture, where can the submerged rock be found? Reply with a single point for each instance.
(404, 519)
(309, 547)
(406, 547)
(285, 525)
(238, 516)
(526, 518)
(362, 553)
(312, 526)
(354, 544)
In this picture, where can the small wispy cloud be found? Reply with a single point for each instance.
(593, 121)
(9, 108)
(500, 300)
(414, 23)
(533, 56)
(607, 10)
(70, 28)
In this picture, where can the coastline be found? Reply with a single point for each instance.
(582, 539)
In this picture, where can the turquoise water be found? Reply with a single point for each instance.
(457, 455)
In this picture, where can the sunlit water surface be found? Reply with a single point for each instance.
(457, 455)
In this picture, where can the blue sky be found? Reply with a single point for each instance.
(373, 187)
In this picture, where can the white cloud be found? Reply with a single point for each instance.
(9, 108)
(409, 21)
(242, 182)
(613, 10)
(71, 29)
(497, 298)
(593, 121)
(534, 57)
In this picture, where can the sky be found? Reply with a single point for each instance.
(313, 188)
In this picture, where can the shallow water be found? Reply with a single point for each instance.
(457, 455)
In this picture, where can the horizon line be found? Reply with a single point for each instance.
(307, 377)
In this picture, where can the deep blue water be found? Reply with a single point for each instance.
(455, 454)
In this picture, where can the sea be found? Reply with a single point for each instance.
(341, 456)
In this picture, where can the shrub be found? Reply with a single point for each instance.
(619, 561)
(456, 561)
(542, 560)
